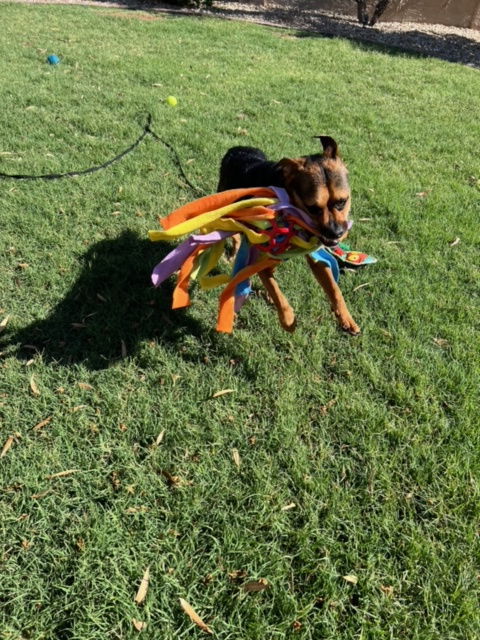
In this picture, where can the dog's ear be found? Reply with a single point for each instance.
(290, 167)
(330, 147)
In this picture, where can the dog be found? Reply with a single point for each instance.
(318, 185)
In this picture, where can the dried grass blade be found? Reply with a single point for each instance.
(360, 286)
(255, 585)
(236, 458)
(143, 588)
(194, 617)
(85, 386)
(224, 392)
(7, 446)
(3, 323)
(42, 424)
(34, 387)
(42, 494)
(62, 474)
(139, 625)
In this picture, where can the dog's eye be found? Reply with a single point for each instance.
(314, 210)
(339, 205)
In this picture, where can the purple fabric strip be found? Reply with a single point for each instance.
(281, 194)
(174, 260)
(284, 204)
(239, 302)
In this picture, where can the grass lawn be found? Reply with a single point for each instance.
(357, 458)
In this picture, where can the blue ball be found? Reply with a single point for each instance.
(53, 59)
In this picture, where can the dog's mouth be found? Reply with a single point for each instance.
(326, 234)
(328, 240)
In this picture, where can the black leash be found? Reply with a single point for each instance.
(175, 155)
(147, 130)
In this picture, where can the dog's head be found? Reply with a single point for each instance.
(318, 185)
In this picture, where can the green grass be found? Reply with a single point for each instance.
(374, 439)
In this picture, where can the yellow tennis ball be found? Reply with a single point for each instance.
(172, 101)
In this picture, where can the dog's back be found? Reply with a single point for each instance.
(244, 167)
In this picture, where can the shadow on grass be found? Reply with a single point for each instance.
(308, 22)
(110, 309)
(447, 47)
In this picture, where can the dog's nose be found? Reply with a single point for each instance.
(335, 230)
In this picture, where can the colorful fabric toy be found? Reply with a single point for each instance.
(349, 258)
(271, 228)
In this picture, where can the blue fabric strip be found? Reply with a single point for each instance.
(320, 255)
(241, 261)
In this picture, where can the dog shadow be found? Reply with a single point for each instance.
(110, 309)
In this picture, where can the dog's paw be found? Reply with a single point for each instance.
(288, 320)
(347, 323)
(352, 329)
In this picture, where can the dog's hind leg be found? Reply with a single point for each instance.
(325, 277)
(285, 311)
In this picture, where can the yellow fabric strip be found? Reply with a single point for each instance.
(157, 236)
(234, 225)
(214, 254)
(197, 265)
(210, 282)
(211, 261)
(303, 244)
(206, 219)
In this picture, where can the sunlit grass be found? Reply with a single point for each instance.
(358, 457)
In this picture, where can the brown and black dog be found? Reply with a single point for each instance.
(317, 184)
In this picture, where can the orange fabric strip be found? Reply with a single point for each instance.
(253, 213)
(301, 223)
(226, 312)
(211, 203)
(181, 297)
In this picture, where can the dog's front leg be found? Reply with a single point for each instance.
(285, 311)
(325, 277)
